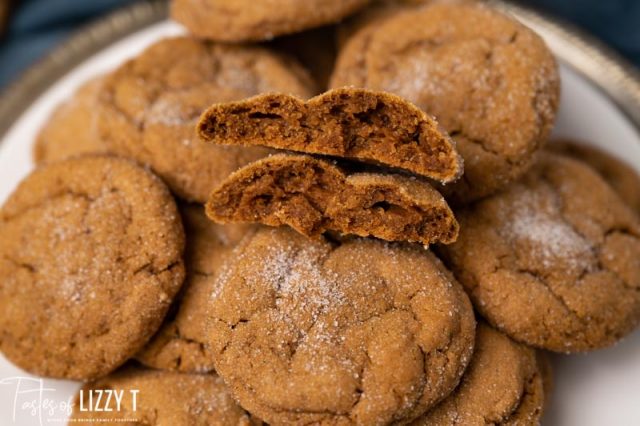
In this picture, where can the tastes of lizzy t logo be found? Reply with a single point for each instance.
(32, 399)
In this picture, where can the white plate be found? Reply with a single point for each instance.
(601, 388)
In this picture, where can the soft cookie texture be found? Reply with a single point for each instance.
(149, 106)
(161, 398)
(354, 123)
(554, 260)
(247, 20)
(490, 81)
(313, 196)
(90, 260)
(181, 342)
(71, 128)
(622, 177)
(503, 385)
(364, 332)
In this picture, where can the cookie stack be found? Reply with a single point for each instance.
(386, 242)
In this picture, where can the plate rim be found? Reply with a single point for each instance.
(598, 63)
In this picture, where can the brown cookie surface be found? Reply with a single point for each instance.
(503, 385)
(617, 173)
(90, 259)
(149, 397)
(366, 332)
(181, 342)
(353, 123)
(490, 81)
(554, 260)
(71, 128)
(313, 196)
(149, 107)
(246, 20)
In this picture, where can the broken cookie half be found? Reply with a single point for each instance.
(313, 196)
(364, 125)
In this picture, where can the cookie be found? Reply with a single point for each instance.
(353, 123)
(503, 385)
(554, 260)
(622, 178)
(149, 106)
(181, 342)
(313, 196)
(90, 259)
(312, 332)
(490, 81)
(71, 129)
(148, 397)
(245, 20)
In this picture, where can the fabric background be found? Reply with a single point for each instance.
(36, 26)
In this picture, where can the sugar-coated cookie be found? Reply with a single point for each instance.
(554, 260)
(90, 260)
(364, 332)
(489, 80)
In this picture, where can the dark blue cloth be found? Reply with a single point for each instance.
(38, 25)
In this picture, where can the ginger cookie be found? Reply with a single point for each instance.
(313, 332)
(490, 81)
(313, 196)
(150, 105)
(622, 178)
(503, 385)
(245, 20)
(359, 124)
(90, 260)
(181, 342)
(139, 396)
(71, 128)
(554, 260)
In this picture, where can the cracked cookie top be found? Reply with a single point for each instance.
(90, 259)
(181, 342)
(554, 260)
(248, 20)
(149, 106)
(362, 332)
(503, 385)
(71, 128)
(149, 397)
(490, 81)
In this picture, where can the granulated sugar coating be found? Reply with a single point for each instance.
(306, 331)
(503, 385)
(181, 342)
(90, 259)
(554, 260)
(490, 81)
(147, 108)
(161, 398)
